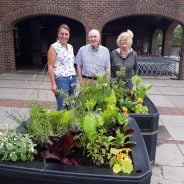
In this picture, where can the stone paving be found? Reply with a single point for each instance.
(18, 90)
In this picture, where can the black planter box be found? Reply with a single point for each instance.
(54, 173)
(148, 124)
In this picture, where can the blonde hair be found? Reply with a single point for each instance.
(128, 35)
(63, 26)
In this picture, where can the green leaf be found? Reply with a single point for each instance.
(23, 156)
(65, 117)
(13, 156)
(90, 124)
(112, 161)
(112, 98)
(136, 80)
(90, 104)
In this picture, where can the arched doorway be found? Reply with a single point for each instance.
(176, 41)
(143, 27)
(33, 36)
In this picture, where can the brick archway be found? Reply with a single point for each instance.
(7, 58)
(13, 17)
(146, 9)
(168, 39)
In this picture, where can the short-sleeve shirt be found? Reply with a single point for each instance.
(93, 61)
(64, 64)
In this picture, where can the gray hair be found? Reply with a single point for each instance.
(128, 35)
(96, 31)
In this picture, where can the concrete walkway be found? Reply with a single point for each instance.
(18, 90)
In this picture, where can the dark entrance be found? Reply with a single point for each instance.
(33, 36)
(143, 28)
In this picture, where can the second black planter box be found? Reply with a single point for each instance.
(148, 124)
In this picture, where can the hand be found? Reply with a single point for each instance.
(54, 88)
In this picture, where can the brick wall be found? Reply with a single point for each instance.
(91, 13)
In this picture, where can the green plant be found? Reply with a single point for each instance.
(120, 160)
(15, 146)
(141, 109)
(139, 90)
(121, 73)
(131, 101)
(92, 96)
(103, 130)
(44, 123)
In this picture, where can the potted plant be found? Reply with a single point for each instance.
(100, 134)
(135, 103)
(49, 172)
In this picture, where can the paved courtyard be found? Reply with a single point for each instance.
(18, 90)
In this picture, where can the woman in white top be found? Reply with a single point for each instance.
(61, 68)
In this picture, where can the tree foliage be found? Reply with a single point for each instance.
(177, 35)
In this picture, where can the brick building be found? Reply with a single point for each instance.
(28, 27)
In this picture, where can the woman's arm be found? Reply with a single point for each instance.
(136, 64)
(51, 56)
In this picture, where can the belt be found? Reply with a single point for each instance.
(89, 77)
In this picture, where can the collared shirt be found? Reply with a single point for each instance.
(64, 64)
(93, 61)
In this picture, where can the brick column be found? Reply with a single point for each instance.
(181, 64)
(7, 58)
(2, 66)
(168, 39)
(154, 45)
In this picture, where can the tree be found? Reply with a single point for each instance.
(177, 35)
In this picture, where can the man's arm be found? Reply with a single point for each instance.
(78, 62)
(108, 72)
(108, 65)
(79, 73)
(51, 56)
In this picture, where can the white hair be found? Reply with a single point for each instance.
(128, 35)
(94, 31)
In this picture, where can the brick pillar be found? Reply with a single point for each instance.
(181, 64)
(154, 45)
(168, 39)
(2, 66)
(7, 63)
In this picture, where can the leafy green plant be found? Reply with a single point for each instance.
(139, 90)
(141, 109)
(15, 146)
(92, 96)
(131, 101)
(98, 147)
(103, 130)
(44, 123)
(121, 73)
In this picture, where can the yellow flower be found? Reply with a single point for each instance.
(119, 156)
(125, 113)
(116, 168)
(124, 109)
(139, 100)
(127, 150)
